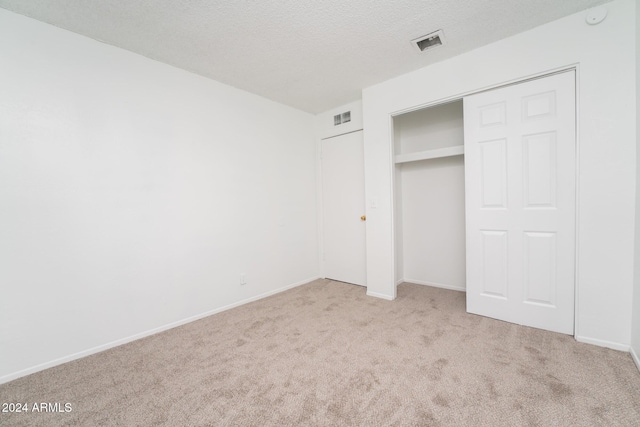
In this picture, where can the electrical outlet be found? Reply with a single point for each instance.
(243, 278)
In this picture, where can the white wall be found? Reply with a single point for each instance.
(133, 194)
(635, 327)
(605, 56)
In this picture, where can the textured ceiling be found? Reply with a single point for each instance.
(310, 54)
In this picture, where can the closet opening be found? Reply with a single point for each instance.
(430, 196)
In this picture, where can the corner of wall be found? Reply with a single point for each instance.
(635, 321)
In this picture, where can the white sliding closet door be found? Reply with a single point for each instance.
(520, 157)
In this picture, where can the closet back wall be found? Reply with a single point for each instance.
(133, 194)
(433, 222)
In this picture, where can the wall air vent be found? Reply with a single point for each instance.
(339, 119)
(429, 41)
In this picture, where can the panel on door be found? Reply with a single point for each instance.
(343, 205)
(520, 168)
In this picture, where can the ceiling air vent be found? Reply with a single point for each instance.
(429, 41)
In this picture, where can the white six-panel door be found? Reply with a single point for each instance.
(520, 169)
(343, 206)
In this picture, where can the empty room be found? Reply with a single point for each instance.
(418, 212)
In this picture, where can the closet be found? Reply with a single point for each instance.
(485, 200)
(429, 205)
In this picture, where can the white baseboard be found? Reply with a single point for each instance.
(116, 343)
(379, 295)
(436, 285)
(603, 343)
(635, 357)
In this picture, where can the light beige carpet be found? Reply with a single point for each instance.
(326, 354)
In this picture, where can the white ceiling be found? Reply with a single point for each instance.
(310, 54)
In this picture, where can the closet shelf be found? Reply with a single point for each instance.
(430, 154)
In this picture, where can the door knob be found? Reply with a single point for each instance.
(363, 218)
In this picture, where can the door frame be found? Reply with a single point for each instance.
(571, 67)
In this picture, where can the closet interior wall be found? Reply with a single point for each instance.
(429, 196)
